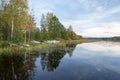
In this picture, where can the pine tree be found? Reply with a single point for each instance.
(43, 28)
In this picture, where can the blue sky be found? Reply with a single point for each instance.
(90, 18)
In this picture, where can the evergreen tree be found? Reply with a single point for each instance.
(52, 28)
(43, 28)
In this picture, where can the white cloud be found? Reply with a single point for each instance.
(101, 13)
(102, 46)
(86, 3)
(107, 30)
(91, 24)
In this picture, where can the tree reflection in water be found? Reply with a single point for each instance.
(19, 65)
(16, 66)
(51, 59)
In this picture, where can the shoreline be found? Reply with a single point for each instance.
(32, 47)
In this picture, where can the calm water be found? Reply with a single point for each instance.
(86, 61)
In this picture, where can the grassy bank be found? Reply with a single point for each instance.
(32, 47)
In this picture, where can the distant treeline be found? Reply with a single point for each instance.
(17, 24)
(112, 38)
(117, 38)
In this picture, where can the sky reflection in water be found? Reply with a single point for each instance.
(87, 61)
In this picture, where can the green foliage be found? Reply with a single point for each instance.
(4, 43)
(43, 33)
(15, 19)
(18, 36)
(52, 28)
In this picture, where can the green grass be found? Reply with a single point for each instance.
(34, 47)
(30, 48)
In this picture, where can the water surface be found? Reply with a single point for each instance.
(86, 61)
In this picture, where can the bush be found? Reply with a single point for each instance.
(59, 39)
(4, 43)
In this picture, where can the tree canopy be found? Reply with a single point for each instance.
(17, 25)
(52, 28)
(14, 20)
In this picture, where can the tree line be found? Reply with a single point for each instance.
(17, 25)
(52, 28)
(15, 20)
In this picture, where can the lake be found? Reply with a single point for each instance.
(86, 61)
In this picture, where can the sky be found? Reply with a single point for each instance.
(89, 18)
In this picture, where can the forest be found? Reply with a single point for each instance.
(17, 25)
